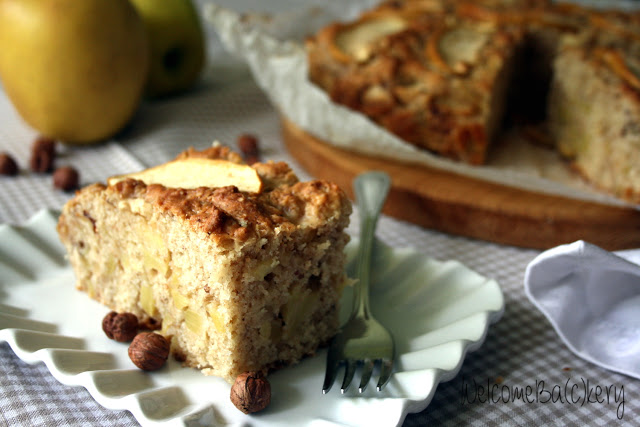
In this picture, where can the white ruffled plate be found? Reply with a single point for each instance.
(438, 311)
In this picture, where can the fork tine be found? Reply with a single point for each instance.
(367, 369)
(350, 370)
(387, 367)
(330, 375)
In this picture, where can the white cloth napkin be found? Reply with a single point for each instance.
(592, 299)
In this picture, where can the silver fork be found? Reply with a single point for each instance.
(362, 340)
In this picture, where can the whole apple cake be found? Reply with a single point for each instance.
(243, 266)
(444, 75)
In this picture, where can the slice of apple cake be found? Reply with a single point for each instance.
(242, 265)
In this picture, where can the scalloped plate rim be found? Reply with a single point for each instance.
(131, 403)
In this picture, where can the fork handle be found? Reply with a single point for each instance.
(371, 189)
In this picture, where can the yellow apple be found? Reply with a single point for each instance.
(194, 172)
(177, 44)
(74, 70)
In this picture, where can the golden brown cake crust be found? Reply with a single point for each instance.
(227, 212)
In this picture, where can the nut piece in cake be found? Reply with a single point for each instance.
(242, 277)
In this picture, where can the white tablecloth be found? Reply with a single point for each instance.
(521, 351)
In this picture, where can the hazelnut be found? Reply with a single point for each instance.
(251, 392)
(248, 145)
(252, 159)
(66, 178)
(121, 327)
(8, 165)
(149, 351)
(43, 153)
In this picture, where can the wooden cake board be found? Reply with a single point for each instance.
(465, 206)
